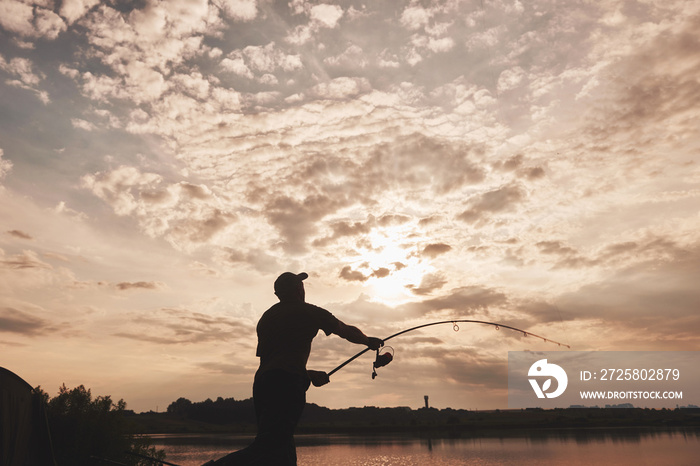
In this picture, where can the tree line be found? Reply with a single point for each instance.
(87, 430)
(221, 411)
(239, 416)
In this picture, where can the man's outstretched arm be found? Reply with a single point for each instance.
(355, 335)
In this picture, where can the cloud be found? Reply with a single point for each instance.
(393, 219)
(346, 273)
(258, 259)
(123, 286)
(27, 78)
(520, 166)
(341, 88)
(22, 68)
(26, 272)
(142, 47)
(200, 130)
(186, 215)
(381, 272)
(322, 16)
(182, 326)
(48, 24)
(261, 60)
(297, 220)
(352, 58)
(361, 310)
(534, 173)
(484, 371)
(82, 124)
(430, 28)
(421, 163)
(344, 228)
(435, 249)
(241, 10)
(499, 200)
(654, 100)
(415, 17)
(460, 301)
(15, 321)
(17, 17)
(325, 15)
(238, 66)
(441, 45)
(613, 254)
(357, 275)
(19, 234)
(5, 166)
(359, 229)
(228, 369)
(429, 283)
(117, 187)
(24, 260)
(72, 10)
(399, 265)
(414, 168)
(30, 20)
(510, 79)
(298, 7)
(567, 256)
(657, 295)
(138, 82)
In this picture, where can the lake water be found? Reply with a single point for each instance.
(565, 447)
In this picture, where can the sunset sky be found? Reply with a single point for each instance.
(534, 163)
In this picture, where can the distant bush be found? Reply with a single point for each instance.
(85, 430)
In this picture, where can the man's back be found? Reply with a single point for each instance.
(285, 332)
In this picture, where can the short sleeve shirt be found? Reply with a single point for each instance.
(285, 332)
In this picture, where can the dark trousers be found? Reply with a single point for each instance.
(279, 397)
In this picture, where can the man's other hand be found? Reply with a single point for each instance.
(374, 343)
(318, 378)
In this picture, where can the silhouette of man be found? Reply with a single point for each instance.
(285, 332)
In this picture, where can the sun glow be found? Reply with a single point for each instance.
(390, 267)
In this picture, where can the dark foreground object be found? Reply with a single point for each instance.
(24, 431)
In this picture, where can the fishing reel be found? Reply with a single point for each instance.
(382, 359)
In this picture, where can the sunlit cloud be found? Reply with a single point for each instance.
(5, 165)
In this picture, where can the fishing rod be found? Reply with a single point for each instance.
(386, 358)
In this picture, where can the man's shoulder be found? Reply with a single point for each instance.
(314, 308)
(299, 309)
(318, 313)
(318, 310)
(322, 318)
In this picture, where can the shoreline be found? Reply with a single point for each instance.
(424, 421)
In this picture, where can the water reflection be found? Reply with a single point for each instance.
(568, 447)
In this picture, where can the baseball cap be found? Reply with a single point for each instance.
(288, 281)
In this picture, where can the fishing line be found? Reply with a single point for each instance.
(385, 358)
